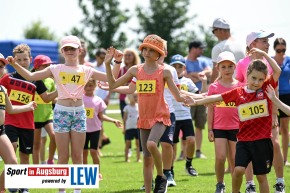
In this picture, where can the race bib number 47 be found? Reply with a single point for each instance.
(146, 86)
(76, 78)
(20, 96)
(253, 110)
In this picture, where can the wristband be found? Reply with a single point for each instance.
(117, 62)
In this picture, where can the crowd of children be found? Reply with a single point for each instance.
(239, 112)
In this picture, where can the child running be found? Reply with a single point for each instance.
(6, 151)
(154, 114)
(223, 119)
(69, 112)
(130, 131)
(95, 107)
(255, 115)
(43, 115)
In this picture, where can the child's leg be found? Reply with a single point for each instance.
(263, 183)
(85, 156)
(62, 143)
(36, 146)
(42, 150)
(52, 145)
(137, 150)
(77, 145)
(95, 156)
(220, 158)
(8, 155)
(237, 178)
(155, 135)
(231, 155)
(127, 146)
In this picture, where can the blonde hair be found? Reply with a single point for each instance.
(21, 48)
(137, 59)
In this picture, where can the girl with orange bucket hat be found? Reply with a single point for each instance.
(154, 113)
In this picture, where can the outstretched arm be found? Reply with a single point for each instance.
(14, 109)
(207, 100)
(279, 104)
(104, 117)
(39, 75)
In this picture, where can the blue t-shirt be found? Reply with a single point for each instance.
(197, 66)
(284, 79)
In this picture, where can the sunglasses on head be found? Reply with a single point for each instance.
(69, 49)
(280, 50)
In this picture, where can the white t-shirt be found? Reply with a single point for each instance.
(132, 116)
(100, 92)
(183, 112)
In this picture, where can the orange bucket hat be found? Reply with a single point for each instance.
(155, 42)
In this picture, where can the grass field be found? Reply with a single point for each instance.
(121, 177)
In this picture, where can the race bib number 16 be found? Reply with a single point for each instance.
(146, 86)
(253, 110)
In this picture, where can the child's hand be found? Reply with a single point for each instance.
(11, 60)
(119, 124)
(202, 76)
(256, 53)
(32, 105)
(270, 91)
(189, 101)
(118, 55)
(103, 85)
(210, 136)
(109, 55)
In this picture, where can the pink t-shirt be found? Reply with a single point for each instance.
(242, 67)
(93, 105)
(225, 116)
(70, 80)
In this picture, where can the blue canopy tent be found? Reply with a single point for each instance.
(46, 47)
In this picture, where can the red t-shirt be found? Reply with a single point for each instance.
(21, 92)
(255, 111)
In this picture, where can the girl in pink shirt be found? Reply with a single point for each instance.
(223, 119)
(69, 112)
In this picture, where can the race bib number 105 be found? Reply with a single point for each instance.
(253, 110)
(146, 86)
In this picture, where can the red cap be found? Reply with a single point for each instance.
(41, 60)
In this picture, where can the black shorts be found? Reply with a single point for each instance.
(285, 98)
(92, 138)
(167, 136)
(38, 125)
(2, 130)
(187, 129)
(230, 135)
(25, 137)
(131, 134)
(260, 152)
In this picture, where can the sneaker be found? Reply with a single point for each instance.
(279, 188)
(191, 171)
(199, 154)
(50, 162)
(13, 190)
(160, 184)
(170, 179)
(287, 164)
(220, 188)
(130, 153)
(152, 186)
(251, 189)
(23, 190)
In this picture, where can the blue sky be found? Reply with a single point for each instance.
(244, 16)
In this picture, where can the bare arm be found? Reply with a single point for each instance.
(14, 109)
(207, 100)
(47, 97)
(279, 104)
(104, 117)
(39, 75)
(210, 122)
(172, 87)
(193, 95)
(215, 73)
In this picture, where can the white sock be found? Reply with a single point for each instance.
(280, 180)
(251, 182)
(62, 191)
(77, 191)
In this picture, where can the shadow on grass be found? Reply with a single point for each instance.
(128, 191)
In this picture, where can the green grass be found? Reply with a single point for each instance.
(121, 177)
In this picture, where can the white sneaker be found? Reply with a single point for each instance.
(279, 188)
(130, 153)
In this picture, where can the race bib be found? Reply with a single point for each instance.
(146, 86)
(76, 78)
(39, 100)
(90, 112)
(223, 104)
(184, 87)
(253, 110)
(2, 98)
(20, 96)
